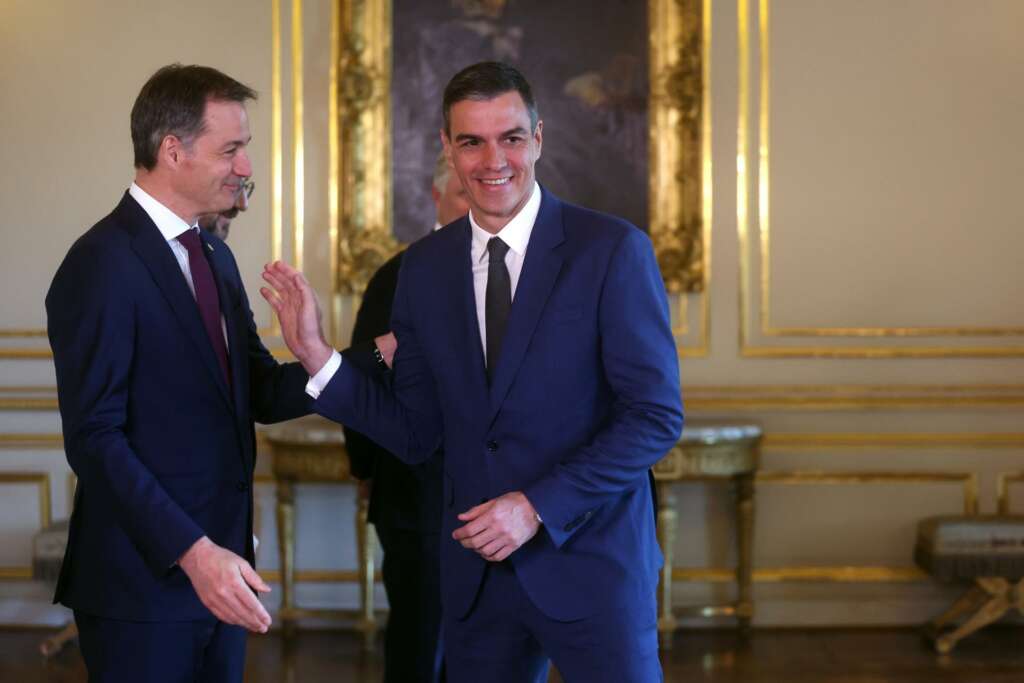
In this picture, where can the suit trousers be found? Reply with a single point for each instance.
(505, 638)
(204, 651)
(412, 580)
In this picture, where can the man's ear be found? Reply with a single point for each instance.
(171, 151)
(538, 136)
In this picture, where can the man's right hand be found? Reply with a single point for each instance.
(222, 581)
(297, 308)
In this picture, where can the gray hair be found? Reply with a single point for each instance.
(441, 172)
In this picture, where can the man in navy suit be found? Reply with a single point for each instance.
(534, 339)
(160, 376)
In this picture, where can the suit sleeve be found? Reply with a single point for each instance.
(405, 418)
(372, 320)
(640, 363)
(91, 326)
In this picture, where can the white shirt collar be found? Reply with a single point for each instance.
(167, 222)
(516, 233)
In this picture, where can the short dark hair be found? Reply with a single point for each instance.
(485, 81)
(173, 102)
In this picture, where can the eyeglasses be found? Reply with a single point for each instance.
(247, 187)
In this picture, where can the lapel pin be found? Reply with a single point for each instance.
(210, 247)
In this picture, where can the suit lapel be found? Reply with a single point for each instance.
(540, 270)
(152, 249)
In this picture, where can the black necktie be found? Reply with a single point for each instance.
(498, 301)
(206, 297)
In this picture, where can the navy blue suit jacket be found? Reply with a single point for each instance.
(163, 449)
(585, 399)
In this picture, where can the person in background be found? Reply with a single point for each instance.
(405, 501)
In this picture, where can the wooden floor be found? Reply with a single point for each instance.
(778, 656)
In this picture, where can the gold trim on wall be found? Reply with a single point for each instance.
(363, 82)
(807, 574)
(968, 480)
(1003, 481)
(764, 225)
(676, 98)
(42, 481)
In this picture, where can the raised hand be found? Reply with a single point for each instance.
(499, 527)
(222, 580)
(298, 310)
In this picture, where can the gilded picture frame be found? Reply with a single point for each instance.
(361, 141)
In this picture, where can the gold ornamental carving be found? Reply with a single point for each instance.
(676, 115)
(363, 82)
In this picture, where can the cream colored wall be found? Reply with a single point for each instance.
(861, 307)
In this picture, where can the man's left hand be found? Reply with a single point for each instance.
(499, 527)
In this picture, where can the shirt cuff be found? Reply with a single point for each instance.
(318, 381)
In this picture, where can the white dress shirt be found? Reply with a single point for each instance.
(171, 226)
(516, 234)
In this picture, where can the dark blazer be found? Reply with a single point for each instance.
(402, 496)
(585, 399)
(163, 449)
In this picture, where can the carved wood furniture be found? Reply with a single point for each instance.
(986, 550)
(312, 450)
(727, 451)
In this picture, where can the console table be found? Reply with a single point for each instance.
(728, 451)
(312, 450)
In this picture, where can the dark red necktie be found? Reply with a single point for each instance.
(206, 296)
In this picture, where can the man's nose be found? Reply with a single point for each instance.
(243, 167)
(494, 156)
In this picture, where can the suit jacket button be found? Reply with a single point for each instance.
(492, 446)
(242, 487)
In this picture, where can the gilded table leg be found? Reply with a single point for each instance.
(744, 550)
(998, 591)
(286, 550)
(667, 622)
(365, 551)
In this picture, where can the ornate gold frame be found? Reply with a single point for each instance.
(361, 163)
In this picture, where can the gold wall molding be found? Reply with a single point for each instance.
(967, 480)
(42, 482)
(843, 397)
(762, 202)
(677, 97)
(1003, 482)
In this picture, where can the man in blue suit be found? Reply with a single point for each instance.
(160, 375)
(534, 339)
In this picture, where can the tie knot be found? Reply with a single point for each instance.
(496, 249)
(190, 240)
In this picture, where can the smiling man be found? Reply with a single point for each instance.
(534, 340)
(160, 375)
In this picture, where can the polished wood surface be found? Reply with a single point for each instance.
(775, 656)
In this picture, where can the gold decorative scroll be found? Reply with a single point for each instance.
(363, 73)
(362, 82)
(675, 118)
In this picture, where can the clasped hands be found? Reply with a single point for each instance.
(499, 527)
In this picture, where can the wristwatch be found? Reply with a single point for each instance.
(379, 357)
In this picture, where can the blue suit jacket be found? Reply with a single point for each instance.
(163, 450)
(584, 400)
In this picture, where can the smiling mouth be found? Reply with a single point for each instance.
(494, 182)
